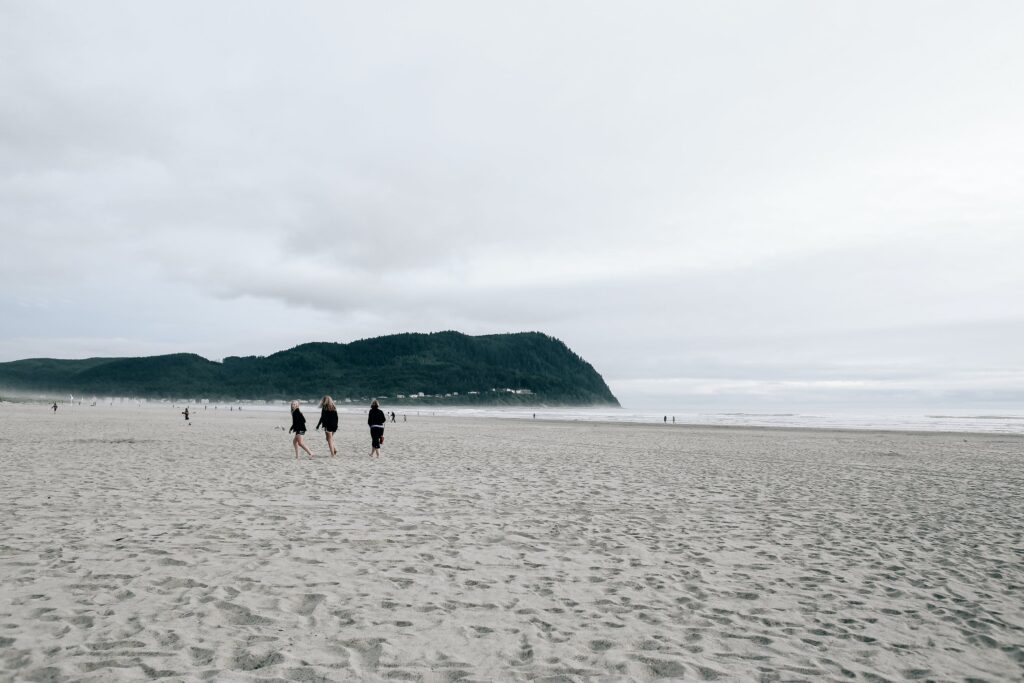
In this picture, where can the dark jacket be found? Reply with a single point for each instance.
(298, 422)
(329, 420)
(376, 418)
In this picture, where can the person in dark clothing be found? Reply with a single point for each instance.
(329, 421)
(376, 420)
(185, 413)
(299, 427)
(392, 416)
(55, 406)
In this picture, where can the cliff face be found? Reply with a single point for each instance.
(528, 367)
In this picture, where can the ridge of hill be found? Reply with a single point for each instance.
(524, 367)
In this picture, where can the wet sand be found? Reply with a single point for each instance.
(134, 546)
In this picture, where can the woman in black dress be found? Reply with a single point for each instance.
(376, 421)
(299, 427)
(329, 421)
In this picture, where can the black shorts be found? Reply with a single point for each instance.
(300, 433)
(376, 434)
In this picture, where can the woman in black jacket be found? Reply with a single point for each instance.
(329, 420)
(299, 427)
(376, 421)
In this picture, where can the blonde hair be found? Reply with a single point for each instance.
(295, 406)
(328, 403)
(374, 404)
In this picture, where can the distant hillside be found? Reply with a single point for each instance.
(440, 365)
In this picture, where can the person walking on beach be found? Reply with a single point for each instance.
(55, 406)
(376, 420)
(299, 427)
(329, 420)
(185, 413)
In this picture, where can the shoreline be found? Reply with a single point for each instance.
(550, 414)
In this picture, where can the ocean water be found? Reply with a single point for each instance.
(1000, 422)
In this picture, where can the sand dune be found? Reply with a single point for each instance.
(134, 546)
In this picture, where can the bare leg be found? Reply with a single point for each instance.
(302, 445)
(330, 444)
(295, 443)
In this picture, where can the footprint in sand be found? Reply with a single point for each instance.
(241, 616)
(308, 604)
(249, 661)
(664, 668)
(524, 655)
(364, 654)
(344, 617)
(201, 656)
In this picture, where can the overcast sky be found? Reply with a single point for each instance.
(732, 204)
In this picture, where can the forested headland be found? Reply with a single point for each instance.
(448, 367)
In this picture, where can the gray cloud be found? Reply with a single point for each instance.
(690, 196)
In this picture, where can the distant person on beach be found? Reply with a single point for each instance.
(393, 416)
(55, 406)
(376, 420)
(185, 413)
(299, 427)
(329, 421)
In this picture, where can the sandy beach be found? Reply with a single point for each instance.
(134, 546)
